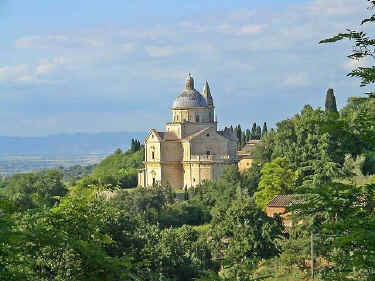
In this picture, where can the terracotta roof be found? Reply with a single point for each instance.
(284, 200)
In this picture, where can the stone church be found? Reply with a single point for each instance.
(191, 149)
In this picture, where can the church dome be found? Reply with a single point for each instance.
(189, 97)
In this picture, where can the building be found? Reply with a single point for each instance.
(246, 155)
(191, 149)
(279, 205)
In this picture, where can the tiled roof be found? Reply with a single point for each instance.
(284, 200)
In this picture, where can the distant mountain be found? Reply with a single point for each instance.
(68, 144)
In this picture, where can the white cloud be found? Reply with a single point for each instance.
(230, 50)
(237, 29)
(128, 47)
(57, 41)
(161, 51)
(15, 73)
(48, 66)
(296, 80)
(336, 7)
(242, 14)
(27, 73)
(251, 29)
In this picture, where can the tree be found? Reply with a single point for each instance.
(330, 104)
(238, 134)
(360, 127)
(276, 178)
(242, 235)
(33, 190)
(364, 46)
(145, 203)
(248, 135)
(120, 169)
(254, 131)
(308, 147)
(176, 253)
(83, 238)
(9, 261)
(186, 194)
(135, 145)
(264, 130)
(342, 216)
(258, 135)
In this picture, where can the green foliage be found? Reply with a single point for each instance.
(34, 190)
(8, 255)
(242, 235)
(180, 213)
(265, 129)
(276, 178)
(76, 172)
(364, 46)
(135, 145)
(119, 169)
(244, 136)
(251, 177)
(343, 219)
(176, 253)
(330, 104)
(354, 131)
(309, 150)
(72, 241)
(146, 203)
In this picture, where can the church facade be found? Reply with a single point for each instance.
(191, 149)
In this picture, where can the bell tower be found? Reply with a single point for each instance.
(206, 93)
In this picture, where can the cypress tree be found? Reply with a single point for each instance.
(239, 134)
(258, 133)
(331, 101)
(186, 194)
(254, 131)
(243, 140)
(248, 134)
(265, 129)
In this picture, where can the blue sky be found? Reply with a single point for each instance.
(89, 66)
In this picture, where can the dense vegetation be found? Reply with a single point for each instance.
(245, 135)
(97, 229)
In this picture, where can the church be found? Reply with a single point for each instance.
(191, 150)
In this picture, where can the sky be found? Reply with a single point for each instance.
(92, 66)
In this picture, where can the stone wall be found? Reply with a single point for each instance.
(173, 175)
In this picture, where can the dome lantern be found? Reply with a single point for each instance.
(189, 82)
